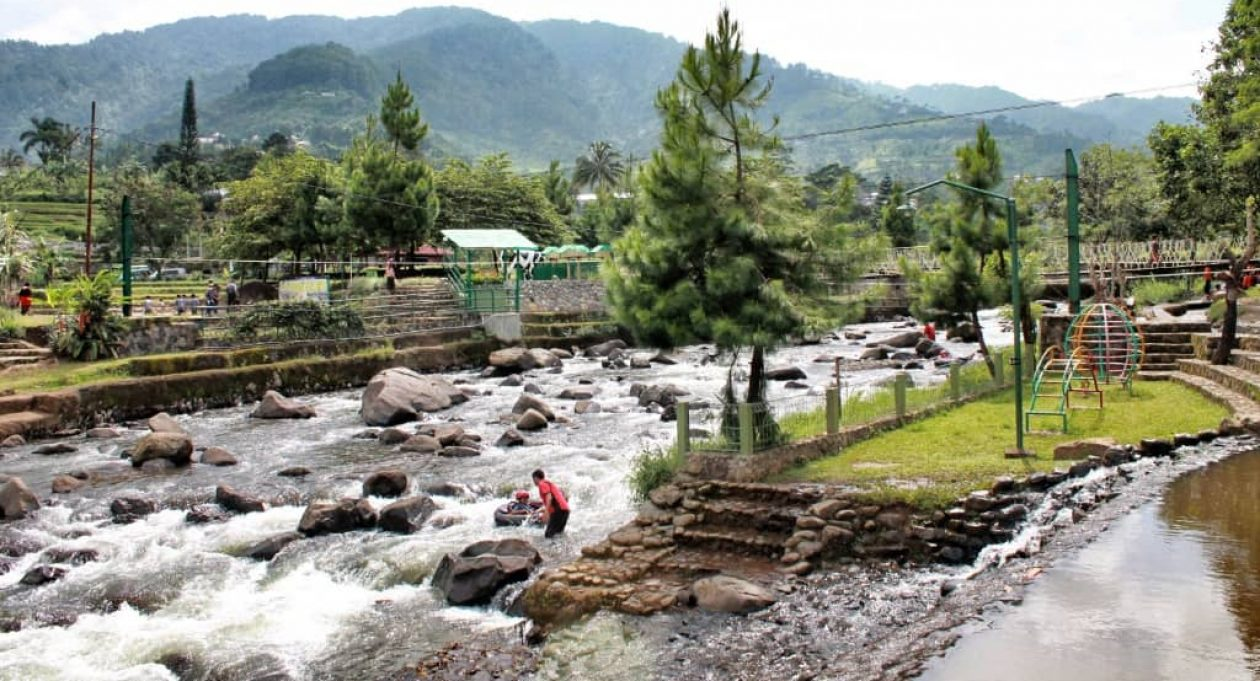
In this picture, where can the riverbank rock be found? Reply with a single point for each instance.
(526, 402)
(64, 484)
(13, 440)
(1083, 449)
(785, 374)
(238, 502)
(130, 509)
(218, 456)
(332, 517)
(277, 406)
(532, 419)
(174, 447)
(406, 516)
(164, 423)
(518, 359)
(269, 547)
(602, 349)
(398, 395)
(722, 593)
(473, 576)
(16, 499)
(386, 483)
(55, 448)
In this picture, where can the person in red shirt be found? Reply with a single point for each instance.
(555, 507)
(929, 331)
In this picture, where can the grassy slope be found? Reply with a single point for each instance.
(935, 460)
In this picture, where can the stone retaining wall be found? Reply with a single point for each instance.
(158, 335)
(563, 295)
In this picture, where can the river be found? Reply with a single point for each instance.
(356, 605)
(1170, 591)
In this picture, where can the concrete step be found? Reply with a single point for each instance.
(1173, 327)
(22, 422)
(1154, 366)
(1168, 338)
(1247, 360)
(1234, 378)
(1161, 348)
(1155, 375)
(6, 362)
(1242, 406)
(1164, 357)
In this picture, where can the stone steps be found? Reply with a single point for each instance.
(1162, 348)
(22, 422)
(1173, 327)
(736, 540)
(754, 516)
(1242, 406)
(1247, 360)
(1234, 378)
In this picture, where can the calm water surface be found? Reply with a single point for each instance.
(1172, 591)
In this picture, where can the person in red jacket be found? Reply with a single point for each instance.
(555, 507)
(929, 331)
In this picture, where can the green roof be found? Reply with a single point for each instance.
(488, 238)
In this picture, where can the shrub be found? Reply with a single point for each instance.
(361, 286)
(653, 468)
(297, 320)
(94, 330)
(1155, 291)
(10, 324)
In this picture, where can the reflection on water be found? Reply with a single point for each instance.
(1170, 592)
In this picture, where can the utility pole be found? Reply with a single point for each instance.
(87, 257)
(1073, 233)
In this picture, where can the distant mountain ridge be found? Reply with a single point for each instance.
(536, 90)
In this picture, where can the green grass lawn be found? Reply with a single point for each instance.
(933, 461)
(62, 375)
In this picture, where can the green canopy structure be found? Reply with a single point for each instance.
(470, 247)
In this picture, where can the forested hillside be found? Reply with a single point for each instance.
(538, 91)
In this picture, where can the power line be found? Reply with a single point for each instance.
(978, 112)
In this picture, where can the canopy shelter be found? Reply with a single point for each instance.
(475, 263)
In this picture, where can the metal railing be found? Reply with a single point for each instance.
(1053, 254)
(749, 428)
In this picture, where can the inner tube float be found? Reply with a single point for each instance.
(503, 517)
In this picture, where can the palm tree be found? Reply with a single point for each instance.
(601, 167)
(51, 139)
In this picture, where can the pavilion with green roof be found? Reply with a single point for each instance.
(473, 247)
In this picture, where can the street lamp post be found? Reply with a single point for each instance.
(1012, 238)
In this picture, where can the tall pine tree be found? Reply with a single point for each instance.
(723, 249)
(188, 154)
(401, 118)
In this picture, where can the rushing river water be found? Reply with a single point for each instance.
(1171, 591)
(351, 606)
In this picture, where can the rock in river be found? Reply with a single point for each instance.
(16, 500)
(785, 374)
(532, 419)
(473, 576)
(398, 395)
(331, 517)
(722, 593)
(526, 402)
(269, 547)
(217, 456)
(163, 423)
(386, 483)
(174, 447)
(407, 515)
(277, 406)
(233, 500)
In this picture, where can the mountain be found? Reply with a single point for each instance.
(538, 91)
(1117, 119)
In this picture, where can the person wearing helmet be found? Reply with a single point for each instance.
(520, 502)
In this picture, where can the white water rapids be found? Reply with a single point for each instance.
(354, 605)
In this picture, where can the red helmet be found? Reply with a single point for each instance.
(521, 495)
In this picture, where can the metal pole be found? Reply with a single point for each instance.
(1073, 233)
(87, 235)
(1012, 236)
(126, 255)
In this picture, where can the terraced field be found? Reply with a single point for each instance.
(53, 220)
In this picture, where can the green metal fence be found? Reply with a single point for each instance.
(748, 428)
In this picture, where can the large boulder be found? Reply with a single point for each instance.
(1083, 449)
(526, 402)
(532, 419)
(398, 395)
(238, 502)
(16, 499)
(174, 447)
(269, 547)
(277, 406)
(873, 354)
(332, 517)
(602, 349)
(164, 423)
(386, 483)
(407, 515)
(513, 360)
(722, 593)
(785, 374)
(473, 576)
(510, 438)
(905, 339)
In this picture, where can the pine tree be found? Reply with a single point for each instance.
(896, 220)
(400, 118)
(188, 154)
(392, 201)
(723, 249)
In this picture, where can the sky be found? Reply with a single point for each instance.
(1061, 50)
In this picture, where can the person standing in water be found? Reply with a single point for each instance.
(555, 509)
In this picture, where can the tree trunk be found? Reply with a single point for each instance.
(1027, 322)
(1232, 276)
(984, 347)
(757, 376)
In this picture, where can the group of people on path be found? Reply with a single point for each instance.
(1249, 279)
(210, 303)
